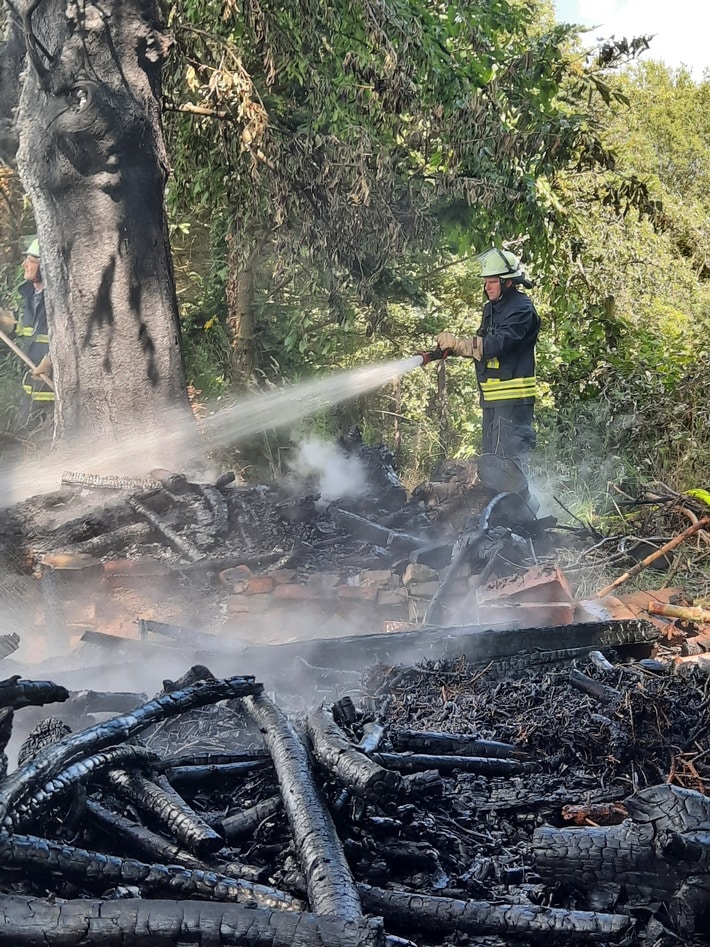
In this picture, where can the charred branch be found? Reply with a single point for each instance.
(183, 545)
(16, 693)
(244, 824)
(460, 744)
(485, 765)
(100, 872)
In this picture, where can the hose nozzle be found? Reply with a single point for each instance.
(434, 356)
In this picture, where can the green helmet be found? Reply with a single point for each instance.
(502, 263)
(33, 249)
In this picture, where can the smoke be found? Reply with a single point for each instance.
(334, 473)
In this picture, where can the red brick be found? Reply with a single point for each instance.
(544, 583)
(259, 585)
(357, 593)
(292, 590)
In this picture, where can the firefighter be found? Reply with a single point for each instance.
(504, 353)
(31, 329)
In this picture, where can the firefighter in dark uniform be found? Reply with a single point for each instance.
(31, 329)
(504, 352)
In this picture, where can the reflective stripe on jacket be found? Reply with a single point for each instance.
(509, 330)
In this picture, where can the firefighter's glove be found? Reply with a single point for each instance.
(7, 321)
(44, 367)
(457, 345)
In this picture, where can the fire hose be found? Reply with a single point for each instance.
(28, 361)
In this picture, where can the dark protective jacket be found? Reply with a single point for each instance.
(509, 328)
(32, 329)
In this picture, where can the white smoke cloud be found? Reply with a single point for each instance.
(335, 473)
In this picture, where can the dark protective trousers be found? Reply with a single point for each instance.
(508, 430)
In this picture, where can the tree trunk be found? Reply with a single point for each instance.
(241, 323)
(91, 156)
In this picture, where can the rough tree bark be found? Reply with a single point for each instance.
(87, 141)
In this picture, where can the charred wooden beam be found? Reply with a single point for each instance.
(417, 912)
(485, 765)
(52, 759)
(167, 810)
(117, 923)
(96, 870)
(460, 744)
(245, 823)
(365, 777)
(331, 889)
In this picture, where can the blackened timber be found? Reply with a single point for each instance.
(484, 765)
(97, 870)
(17, 693)
(245, 823)
(461, 744)
(331, 889)
(93, 923)
(367, 778)
(418, 912)
(166, 810)
(476, 643)
(52, 759)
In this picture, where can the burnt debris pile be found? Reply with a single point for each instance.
(442, 804)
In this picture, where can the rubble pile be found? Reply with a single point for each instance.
(407, 720)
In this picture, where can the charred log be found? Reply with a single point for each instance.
(331, 889)
(349, 765)
(196, 776)
(99, 872)
(179, 542)
(653, 854)
(416, 912)
(117, 923)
